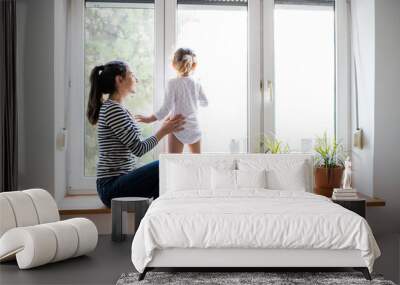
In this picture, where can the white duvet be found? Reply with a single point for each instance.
(250, 219)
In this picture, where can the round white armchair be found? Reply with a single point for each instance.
(31, 230)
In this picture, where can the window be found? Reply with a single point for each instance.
(304, 73)
(111, 30)
(218, 35)
(126, 33)
(268, 67)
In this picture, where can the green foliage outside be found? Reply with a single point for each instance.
(125, 34)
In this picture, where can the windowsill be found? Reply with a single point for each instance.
(82, 204)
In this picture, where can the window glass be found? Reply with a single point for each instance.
(218, 35)
(304, 73)
(123, 33)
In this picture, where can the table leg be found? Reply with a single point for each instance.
(116, 216)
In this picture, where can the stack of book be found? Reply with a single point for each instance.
(344, 194)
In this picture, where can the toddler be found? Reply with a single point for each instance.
(183, 96)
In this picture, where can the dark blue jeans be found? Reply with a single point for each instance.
(141, 182)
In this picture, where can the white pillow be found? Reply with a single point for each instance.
(251, 179)
(281, 173)
(293, 178)
(223, 179)
(183, 177)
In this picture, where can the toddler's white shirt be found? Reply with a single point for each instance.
(183, 96)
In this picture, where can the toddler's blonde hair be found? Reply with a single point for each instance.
(184, 61)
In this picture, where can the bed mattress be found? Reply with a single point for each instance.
(250, 219)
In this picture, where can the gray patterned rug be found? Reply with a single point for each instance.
(269, 278)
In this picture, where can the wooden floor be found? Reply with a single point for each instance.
(102, 266)
(106, 264)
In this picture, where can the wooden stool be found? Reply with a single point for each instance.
(139, 205)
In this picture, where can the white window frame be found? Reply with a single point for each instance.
(254, 67)
(342, 126)
(342, 74)
(268, 72)
(77, 182)
(165, 37)
(260, 78)
(255, 73)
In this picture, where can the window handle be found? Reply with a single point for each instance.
(61, 140)
(270, 90)
(267, 92)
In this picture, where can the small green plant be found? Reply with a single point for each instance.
(275, 146)
(330, 154)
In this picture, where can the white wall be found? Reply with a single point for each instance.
(35, 81)
(363, 41)
(377, 166)
(386, 221)
(387, 110)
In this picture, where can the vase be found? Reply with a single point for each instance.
(326, 179)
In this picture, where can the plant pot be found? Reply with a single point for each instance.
(326, 179)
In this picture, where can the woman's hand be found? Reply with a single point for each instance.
(145, 119)
(170, 125)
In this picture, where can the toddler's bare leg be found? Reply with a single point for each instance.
(174, 145)
(195, 147)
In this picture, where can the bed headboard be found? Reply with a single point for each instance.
(226, 158)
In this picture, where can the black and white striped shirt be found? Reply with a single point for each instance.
(120, 141)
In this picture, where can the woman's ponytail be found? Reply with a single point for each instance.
(95, 95)
(102, 81)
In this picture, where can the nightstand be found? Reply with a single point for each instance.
(356, 205)
(359, 205)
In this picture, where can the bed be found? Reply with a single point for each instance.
(244, 211)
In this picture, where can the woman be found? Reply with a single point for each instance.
(119, 137)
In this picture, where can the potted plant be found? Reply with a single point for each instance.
(275, 146)
(328, 165)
